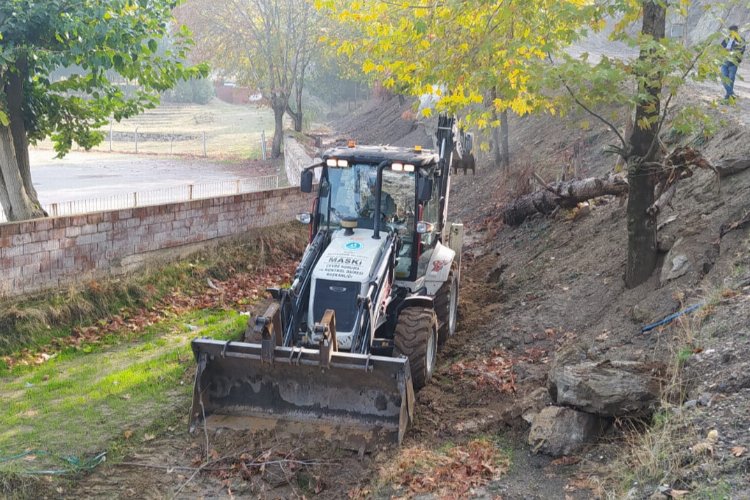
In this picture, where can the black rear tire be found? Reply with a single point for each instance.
(446, 306)
(416, 338)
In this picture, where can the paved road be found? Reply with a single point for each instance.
(82, 175)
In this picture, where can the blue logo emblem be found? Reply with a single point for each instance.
(353, 245)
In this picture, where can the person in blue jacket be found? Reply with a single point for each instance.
(735, 45)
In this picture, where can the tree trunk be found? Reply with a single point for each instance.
(279, 106)
(497, 154)
(642, 245)
(501, 149)
(18, 197)
(14, 91)
(15, 201)
(505, 156)
(296, 116)
(562, 194)
(298, 87)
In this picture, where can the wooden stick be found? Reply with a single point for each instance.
(662, 202)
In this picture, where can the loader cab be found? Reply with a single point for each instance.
(409, 194)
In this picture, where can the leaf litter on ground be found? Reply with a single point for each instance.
(447, 474)
(237, 291)
(495, 371)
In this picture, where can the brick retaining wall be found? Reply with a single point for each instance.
(49, 253)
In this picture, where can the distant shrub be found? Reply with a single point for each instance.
(195, 91)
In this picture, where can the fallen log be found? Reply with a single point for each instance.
(562, 195)
(733, 166)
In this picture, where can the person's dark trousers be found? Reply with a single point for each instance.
(728, 73)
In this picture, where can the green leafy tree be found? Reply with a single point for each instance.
(493, 57)
(660, 71)
(264, 44)
(478, 55)
(195, 90)
(95, 38)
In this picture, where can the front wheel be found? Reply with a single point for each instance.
(416, 338)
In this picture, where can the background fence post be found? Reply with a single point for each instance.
(238, 186)
(190, 192)
(135, 199)
(110, 136)
(263, 144)
(53, 209)
(204, 144)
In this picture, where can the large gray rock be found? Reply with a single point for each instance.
(608, 388)
(676, 263)
(561, 431)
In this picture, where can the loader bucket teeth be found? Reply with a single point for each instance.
(358, 400)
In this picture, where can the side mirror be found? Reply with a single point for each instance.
(469, 143)
(424, 189)
(306, 181)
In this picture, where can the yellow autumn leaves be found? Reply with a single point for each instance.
(470, 49)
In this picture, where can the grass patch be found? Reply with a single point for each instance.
(106, 394)
(662, 451)
(720, 491)
(35, 322)
(231, 130)
(17, 486)
(684, 354)
(77, 406)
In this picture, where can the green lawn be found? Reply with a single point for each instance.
(231, 130)
(82, 403)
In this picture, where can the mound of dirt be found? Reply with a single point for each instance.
(388, 120)
(556, 281)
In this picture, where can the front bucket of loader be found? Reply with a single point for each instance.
(361, 401)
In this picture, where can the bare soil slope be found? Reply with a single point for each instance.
(526, 291)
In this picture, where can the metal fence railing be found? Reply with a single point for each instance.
(175, 194)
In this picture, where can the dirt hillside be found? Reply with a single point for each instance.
(528, 293)
(558, 281)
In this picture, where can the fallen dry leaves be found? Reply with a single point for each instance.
(449, 474)
(738, 451)
(565, 460)
(580, 482)
(495, 371)
(707, 445)
(237, 291)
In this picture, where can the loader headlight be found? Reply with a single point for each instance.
(304, 218)
(333, 162)
(402, 167)
(424, 227)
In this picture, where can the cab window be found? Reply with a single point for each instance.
(431, 214)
